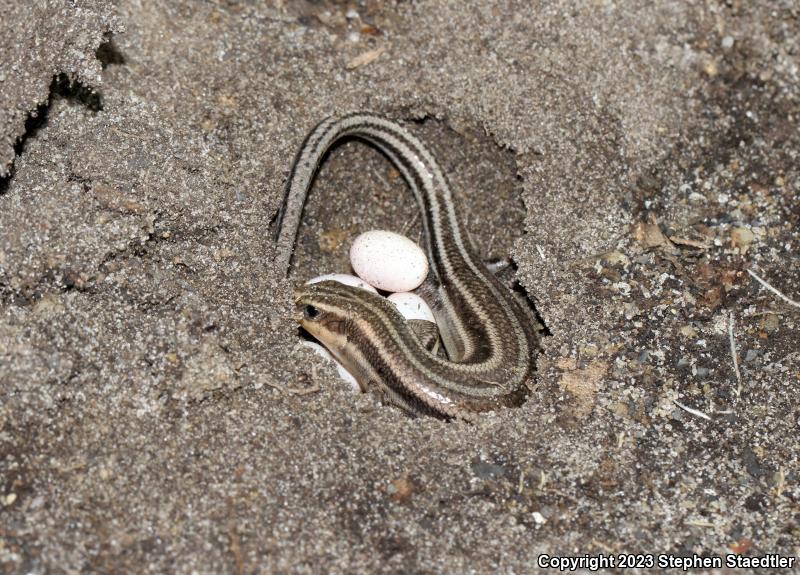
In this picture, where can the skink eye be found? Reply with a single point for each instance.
(311, 312)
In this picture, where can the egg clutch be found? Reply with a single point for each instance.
(386, 261)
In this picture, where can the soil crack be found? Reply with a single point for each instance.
(61, 87)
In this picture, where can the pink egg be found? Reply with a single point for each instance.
(411, 306)
(388, 261)
(346, 279)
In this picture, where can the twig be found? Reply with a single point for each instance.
(489, 246)
(733, 355)
(699, 523)
(365, 58)
(772, 289)
(314, 388)
(379, 175)
(780, 481)
(601, 545)
(691, 410)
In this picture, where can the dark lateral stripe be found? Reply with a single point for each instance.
(483, 326)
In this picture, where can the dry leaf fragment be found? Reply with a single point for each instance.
(742, 238)
(365, 58)
(615, 258)
(330, 241)
(371, 30)
(741, 546)
(649, 234)
(680, 240)
(583, 384)
(711, 298)
(400, 489)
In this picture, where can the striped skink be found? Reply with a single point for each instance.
(490, 337)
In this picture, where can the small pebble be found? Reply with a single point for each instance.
(388, 261)
(346, 279)
(411, 306)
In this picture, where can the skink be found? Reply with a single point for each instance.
(490, 337)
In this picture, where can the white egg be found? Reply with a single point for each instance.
(343, 373)
(388, 261)
(411, 306)
(346, 279)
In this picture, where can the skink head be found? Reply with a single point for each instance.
(324, 310)
(340, 315)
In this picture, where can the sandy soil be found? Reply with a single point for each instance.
(156, 410)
